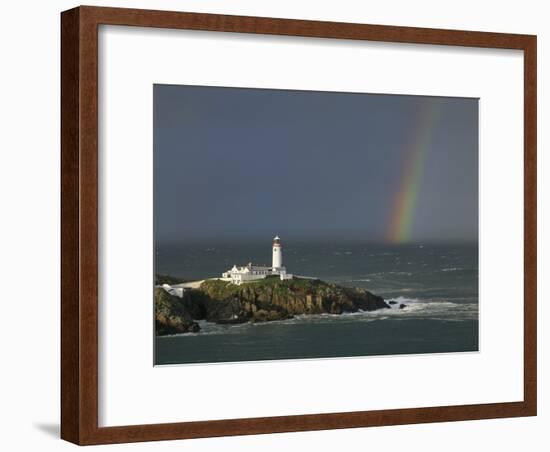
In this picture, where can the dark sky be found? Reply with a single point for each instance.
(235, 163)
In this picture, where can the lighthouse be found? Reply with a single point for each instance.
(277, 253)
(250, 272)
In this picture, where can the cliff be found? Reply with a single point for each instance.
(171, 315)
(266, 300)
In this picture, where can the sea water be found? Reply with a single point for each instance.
(438, 283)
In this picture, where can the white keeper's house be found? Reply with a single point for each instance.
(251, 272)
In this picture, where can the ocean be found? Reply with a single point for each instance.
(438, 283)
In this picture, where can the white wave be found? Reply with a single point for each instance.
(350, 280)
(398, 273)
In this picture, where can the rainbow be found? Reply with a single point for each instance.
(405, 199)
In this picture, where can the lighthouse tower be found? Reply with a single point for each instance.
(277, 253)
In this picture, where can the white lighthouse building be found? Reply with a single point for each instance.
(277, 261)
(250, 272)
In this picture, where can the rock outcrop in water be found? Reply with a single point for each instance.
(261, 301)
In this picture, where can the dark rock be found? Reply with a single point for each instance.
(402, 306)
(392, 302)
(284, 298)
(260, 301)
(267, 316)
(172, 315)
(194, 327)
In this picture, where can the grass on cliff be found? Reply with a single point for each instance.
(224, 289)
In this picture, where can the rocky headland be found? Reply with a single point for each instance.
(259, 301)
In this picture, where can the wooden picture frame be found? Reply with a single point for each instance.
(79, 229)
